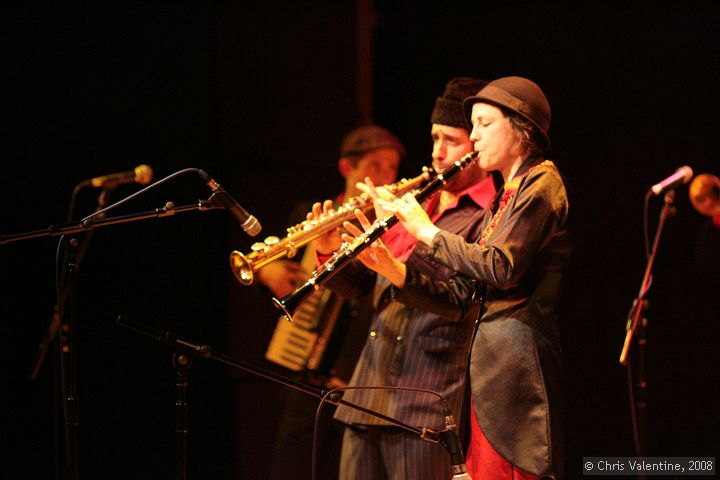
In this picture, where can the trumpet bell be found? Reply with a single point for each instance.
(241, 268)
(704, 194)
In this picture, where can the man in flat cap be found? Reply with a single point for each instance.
(366, 151)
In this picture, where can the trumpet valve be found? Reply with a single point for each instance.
(258, 247)
(291, 250)
(261, 247)
(271, 241)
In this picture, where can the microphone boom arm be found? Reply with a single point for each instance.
(327, 395)
(89, 224)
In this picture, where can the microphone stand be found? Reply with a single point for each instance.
(206, 351)
(636, 326)
(76, 248)
(66, 321)
(68, 363)
(182, 363)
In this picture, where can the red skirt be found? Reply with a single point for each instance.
(484, 463)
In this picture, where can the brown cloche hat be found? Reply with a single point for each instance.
(518, 95)
(448, 109)
(367, 138)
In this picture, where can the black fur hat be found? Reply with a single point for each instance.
(448, 109)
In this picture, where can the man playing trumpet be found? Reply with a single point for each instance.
(367, 151)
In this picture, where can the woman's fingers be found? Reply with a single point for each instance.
(364, 222)
(386, 205)
(352, 230)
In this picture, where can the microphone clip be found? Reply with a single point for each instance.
(451, 441)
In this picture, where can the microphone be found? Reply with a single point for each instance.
(249, 223)
(450, 440)
(142, 174)
(681, 176)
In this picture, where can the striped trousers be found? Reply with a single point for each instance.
(391, 453)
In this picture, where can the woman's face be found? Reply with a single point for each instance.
(496, 141)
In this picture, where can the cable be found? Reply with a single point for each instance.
(140, 192)
(325, 398)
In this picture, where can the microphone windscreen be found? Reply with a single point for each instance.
(143, 174)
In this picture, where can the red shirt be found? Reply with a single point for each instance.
(401, 243)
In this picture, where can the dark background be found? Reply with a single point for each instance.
(259, 97)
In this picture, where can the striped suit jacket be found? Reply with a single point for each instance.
(417, 344)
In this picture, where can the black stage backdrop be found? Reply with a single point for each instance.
(259, 96)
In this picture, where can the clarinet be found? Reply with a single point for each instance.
(289, 304)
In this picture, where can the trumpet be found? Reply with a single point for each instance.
(273, 248)
(704, 194)
(290, 303)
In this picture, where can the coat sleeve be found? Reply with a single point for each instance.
(451, 298)
(538, 211)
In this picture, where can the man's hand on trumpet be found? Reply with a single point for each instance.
(282, 277)
(376, 257)
(329, 242)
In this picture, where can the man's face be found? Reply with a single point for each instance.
(450, 144)
(380, 165)
(497, 143)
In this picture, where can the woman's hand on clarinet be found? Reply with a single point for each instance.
(412, 216)
(376, 193)
(376, 257)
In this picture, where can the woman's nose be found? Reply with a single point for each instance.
(474, 134)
